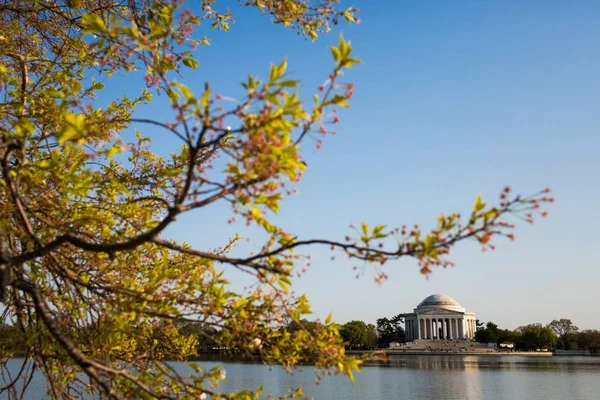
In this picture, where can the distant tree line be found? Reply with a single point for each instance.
(360, 335)
(558, 334)
(355, 334)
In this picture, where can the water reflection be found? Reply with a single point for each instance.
(454, 362)
(420, 377)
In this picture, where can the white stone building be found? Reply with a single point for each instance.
(440, 317)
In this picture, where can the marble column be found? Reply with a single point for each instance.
(472, 328)
(429, 328)
(468, 328)
(442, 335)
(456, 328)
(443, 328)
(432, 328)
(443, 332)
(416, 322)
(430, 325)
(443, 321)
(417, 328)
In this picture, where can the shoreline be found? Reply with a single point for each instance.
(211, 356)
(470, 353)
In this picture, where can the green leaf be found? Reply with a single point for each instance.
(75, 124)
(187, 93)
(277, 71)
(348, 15)
(93, 23)
(289, 83)
(340, 100)
(191, 63)
(349, 62)
(335, 52)
(479, 204)
(54, 93)
(205, 98)
(365, 228)
(116, 149)
(377, 230)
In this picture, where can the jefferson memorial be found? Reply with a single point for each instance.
(439, 317)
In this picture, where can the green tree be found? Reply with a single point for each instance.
(12, 339)
(589, 340)
(355, 334)
(488, 333)
(86, 197)
(303, 324)
(536, 336)
(371, 335)
(390, 330)
(563, 329)
(509, 336)
(207, 336)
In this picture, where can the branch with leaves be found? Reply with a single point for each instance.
(88, 276)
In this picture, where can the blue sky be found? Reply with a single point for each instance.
(453, 99)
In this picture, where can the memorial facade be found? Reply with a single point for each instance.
(440, 317)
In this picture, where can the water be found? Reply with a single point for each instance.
(421, 377)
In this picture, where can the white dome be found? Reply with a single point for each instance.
(440, 301)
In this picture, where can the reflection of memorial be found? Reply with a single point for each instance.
(432, 362)
(440, 317)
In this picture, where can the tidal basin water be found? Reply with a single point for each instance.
(420, 377)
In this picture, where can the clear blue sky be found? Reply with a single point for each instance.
(453, 98)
